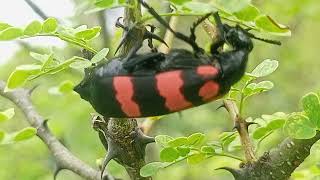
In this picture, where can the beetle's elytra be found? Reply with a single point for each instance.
(151, 84)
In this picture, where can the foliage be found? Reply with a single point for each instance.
(302, 125)
(13, 137)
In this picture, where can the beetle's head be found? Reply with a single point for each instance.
(83, 88)
(237, 37)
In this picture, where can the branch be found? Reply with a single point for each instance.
(103, 23)
(64, 158)
(242, 127)
(36, 9)
(279, 163)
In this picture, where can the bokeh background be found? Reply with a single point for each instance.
(69, 116)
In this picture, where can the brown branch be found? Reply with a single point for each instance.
(242, 127)
(64, 158)
(279, 163)
(104, 32)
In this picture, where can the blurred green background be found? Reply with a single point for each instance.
(69, 116)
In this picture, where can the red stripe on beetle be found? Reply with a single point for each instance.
(207, 71)
(169, 85)
(124, 93)
(209, 91)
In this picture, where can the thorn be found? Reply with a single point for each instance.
(57, 171)
(121, 42)
(112, 153)
(236, 126)
(221, 106)
(248, 124)
(120, 25)
(234, 172)
(150, 35)
(30, 91)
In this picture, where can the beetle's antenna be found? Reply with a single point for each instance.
(270, 41)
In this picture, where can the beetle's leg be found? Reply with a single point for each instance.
(150, 43)
(148, 35)
(180, 36)
(196, 24)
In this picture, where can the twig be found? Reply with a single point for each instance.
(36, 9)
(64, 158)
(168, 37)
(103, 23)
(242, 127)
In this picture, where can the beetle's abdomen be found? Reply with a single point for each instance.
(163, 93)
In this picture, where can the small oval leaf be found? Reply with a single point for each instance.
(151, 169)
(100, 55)
(50, 25)
(169, 154)
(162, 140)
(7, 114)
(196, 158)
(299, 126)
(10, 33)
(25, 134)
(265, 68)
(33, 28)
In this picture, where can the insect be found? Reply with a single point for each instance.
(154, 83)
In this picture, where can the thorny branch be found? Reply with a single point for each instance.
(242, 127)
(64, 158)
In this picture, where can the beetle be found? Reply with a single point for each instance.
(154, 83)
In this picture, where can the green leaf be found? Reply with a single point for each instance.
(33, 28)
(260, 132)
(64, 88)
(183, 151)
(2, 135)
(50, 25)
(232, 6)
(100, 55)
(227, 138)
(196, 158)
(4, 26)
(266, 23)
(162, 140)
(169, 154)
(207, 149)
(21, 74)
(88, 34)
(255, 88)
(248, 13)
(179, 2)
(104, 3)
(178, 142)
(151, 169)
(7, 114)
(276, 124)
(40, 57)
(25, 134)
(80, 64)
(311, 105)
(10, 33)
(196, 139)
(299, 126)
(61, 66)
(267, 67)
